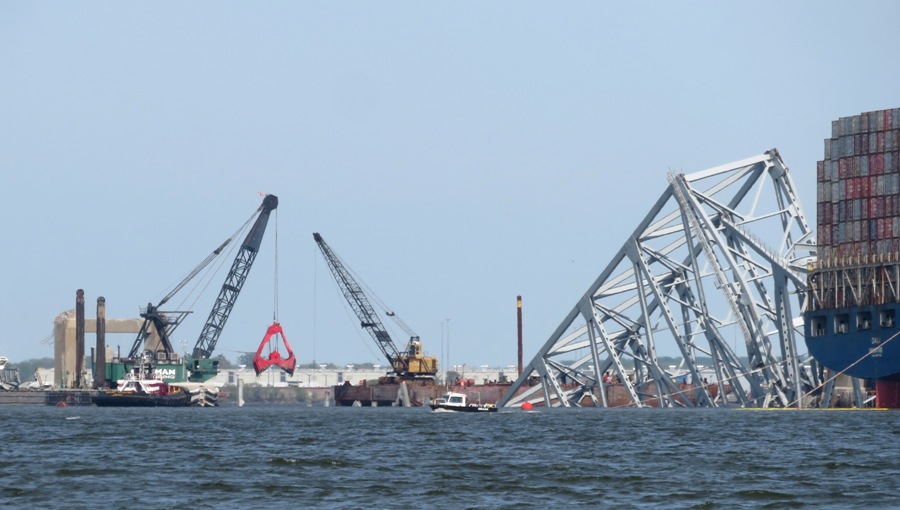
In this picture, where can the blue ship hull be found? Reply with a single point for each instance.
(858, 341)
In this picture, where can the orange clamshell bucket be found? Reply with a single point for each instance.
(261, 364)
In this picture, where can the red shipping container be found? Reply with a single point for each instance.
(864, 187)
(843, 171)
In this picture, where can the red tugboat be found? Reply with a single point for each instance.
(141, 388)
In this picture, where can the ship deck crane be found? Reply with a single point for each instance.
(200, 365)
(409, 364)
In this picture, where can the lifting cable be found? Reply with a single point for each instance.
(275, 285)
(275, 311)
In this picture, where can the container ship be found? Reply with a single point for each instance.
(854, 288)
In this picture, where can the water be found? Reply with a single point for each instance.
(274, 456)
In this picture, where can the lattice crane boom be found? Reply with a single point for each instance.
(358, 301)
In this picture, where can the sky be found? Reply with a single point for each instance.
(455, 155)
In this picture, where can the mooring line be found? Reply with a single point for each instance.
(836, 375)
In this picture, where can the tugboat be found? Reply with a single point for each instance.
(141, 388)
(456, 402)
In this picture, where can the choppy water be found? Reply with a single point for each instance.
(294, 456)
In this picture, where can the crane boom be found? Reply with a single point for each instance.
(240, 268)
(358, 301)
(409, 364)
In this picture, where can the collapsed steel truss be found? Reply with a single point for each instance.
(716, 263)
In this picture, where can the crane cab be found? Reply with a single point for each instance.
(412, 362)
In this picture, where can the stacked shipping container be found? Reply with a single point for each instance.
(858, 206)
(858, 214)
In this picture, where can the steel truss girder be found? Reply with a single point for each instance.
(724, 248)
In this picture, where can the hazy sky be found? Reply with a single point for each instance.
(454, 154)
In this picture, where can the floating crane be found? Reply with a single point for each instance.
(407, 365)
(199, 366)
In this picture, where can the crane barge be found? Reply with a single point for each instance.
(154, 342)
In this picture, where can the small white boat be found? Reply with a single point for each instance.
(457, 402)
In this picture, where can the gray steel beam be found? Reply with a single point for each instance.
(698, 249)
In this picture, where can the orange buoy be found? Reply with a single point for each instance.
(61, 404)
(526, 406)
